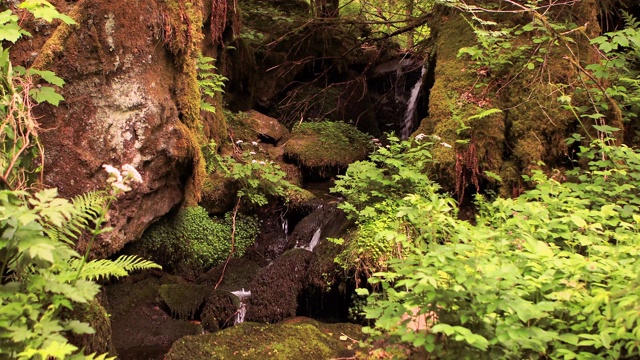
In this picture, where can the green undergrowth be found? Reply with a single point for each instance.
(552, 273)
(192, 241)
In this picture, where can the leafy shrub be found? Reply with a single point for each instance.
(553, 273)
(374, 191)
(194, 240)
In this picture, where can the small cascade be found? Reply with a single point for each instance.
(242, 309)
(285, 228)
(314, 240)
(410, 113)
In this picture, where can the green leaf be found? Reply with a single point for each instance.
(48, 76)
(46, 94)
(79, 327)
(578, 221)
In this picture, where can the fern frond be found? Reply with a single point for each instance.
(485, 113)
(104, 268)
(89, 206)
(630, 21)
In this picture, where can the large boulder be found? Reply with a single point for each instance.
(125, 103)
(297, 338)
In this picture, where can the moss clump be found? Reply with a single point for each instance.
(96, 316)
(326, 144)
(194, 242)
(299, 338)
(184, 300)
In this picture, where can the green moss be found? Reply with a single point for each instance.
(96, 316)
(327, 144)
(55, 44)
(296, 339)
(194, 242)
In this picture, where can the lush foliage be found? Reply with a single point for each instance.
(209, 82)
(42, 274)
(551, 273)
(374, 191)
(257, 177)
(192, 240)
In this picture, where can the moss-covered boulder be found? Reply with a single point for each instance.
(503, 117)
(219, 310)
(298, 338)
(274, 293)
(191, 242)
(94, 314)
(326, 147)
(184, 301)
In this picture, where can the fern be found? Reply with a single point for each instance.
(103, 268)
(630, 21)
(87, 208)
(485, 113)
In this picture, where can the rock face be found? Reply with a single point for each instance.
(121, 108)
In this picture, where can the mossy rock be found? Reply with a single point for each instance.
(298, 338)
(94, 314)
(184, 300)
(191, 242)
(325, 146)
(136, 320)
(219, 310)
(274, 293)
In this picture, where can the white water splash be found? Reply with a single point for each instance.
(240, 314)
(410, 113)
(314, 240)
(242, 309)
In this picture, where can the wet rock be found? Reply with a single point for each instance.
(138, 324)
(238, 275)
(268, 128)
(297, 338)
(274, 293)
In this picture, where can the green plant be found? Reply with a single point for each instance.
(210, 82)
(257, 178)
(374, 190)
(41, 274)
(191, 239)
(552, 273)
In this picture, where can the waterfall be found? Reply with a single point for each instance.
(314, 240)
(410, 113)
(242, 309)
(285, 228)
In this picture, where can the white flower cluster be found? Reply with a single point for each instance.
(121, 181)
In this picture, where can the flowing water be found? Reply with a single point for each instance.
(410, 113)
